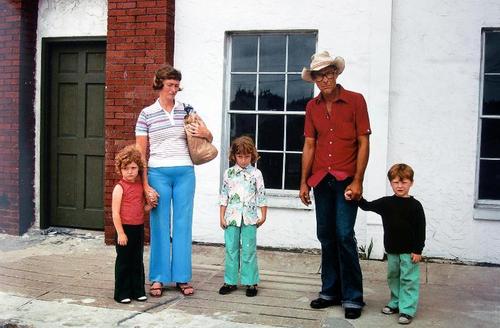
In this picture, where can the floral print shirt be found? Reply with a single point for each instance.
(242, 192)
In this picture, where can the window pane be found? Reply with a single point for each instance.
(244, 53)
(490, 138)
(295, 132)
(271, 166)
(491, 95)
(300, 49)
(242, 92)
(292, 171)
(492, 53)
(272, 53)
(299, 93)
(271, 128)
(271, 92)
(489, 180)
(242, 124)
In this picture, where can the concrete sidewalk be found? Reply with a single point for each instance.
(65, 278)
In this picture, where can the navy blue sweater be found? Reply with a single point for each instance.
(403, 219)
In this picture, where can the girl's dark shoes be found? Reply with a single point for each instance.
(226, 289)
(251, 291)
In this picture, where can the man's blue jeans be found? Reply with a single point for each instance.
(335, 217)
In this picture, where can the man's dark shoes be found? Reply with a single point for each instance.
(226, 289)
(321, 303)
(352, 313)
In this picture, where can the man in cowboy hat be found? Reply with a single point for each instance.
(334, 160)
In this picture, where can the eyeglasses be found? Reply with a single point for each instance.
(318, 77)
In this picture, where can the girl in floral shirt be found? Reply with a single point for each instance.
(242, 193)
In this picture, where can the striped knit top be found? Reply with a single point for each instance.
(167, 138)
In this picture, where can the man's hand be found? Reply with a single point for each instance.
(304, 194)
(354, 190)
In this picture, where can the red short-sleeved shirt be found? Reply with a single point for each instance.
(336, 134)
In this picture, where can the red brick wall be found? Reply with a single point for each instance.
(17, 67)
(140, 40)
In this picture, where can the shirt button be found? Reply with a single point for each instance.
(329, 155)
(330, 142)
(331, 129)
(329, 167)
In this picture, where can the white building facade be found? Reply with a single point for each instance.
(426, 69)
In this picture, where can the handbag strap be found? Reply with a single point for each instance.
(188, 108)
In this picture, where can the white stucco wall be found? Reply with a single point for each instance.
(434, 104)
(359, 31)
(418, 65)
(63, 18)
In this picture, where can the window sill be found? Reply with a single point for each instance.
(287, 199)
(487, 212)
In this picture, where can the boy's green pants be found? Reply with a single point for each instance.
(403, 277)
(249, 271)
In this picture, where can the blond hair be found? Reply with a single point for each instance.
(401, 170)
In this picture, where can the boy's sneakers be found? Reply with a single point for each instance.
(388, 310)
(226, 289)
(142, 298)
(125, 301)
(404, 319)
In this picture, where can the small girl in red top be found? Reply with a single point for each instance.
(128, 208)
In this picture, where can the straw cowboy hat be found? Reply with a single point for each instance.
(321, 60)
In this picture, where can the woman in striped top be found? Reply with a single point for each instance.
(169, 183)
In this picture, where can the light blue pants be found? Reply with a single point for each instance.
(403, 277)
(170, 259)
(246, 266)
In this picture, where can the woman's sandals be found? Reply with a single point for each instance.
(185, 288)
(156, 289)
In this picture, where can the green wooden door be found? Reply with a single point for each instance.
(77, 77)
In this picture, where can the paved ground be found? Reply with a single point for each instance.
(64, 278)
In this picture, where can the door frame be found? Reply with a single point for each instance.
(47, 45)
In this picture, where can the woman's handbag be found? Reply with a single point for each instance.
(200, 150)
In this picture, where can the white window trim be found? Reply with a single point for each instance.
(277, 198)
(483, 209)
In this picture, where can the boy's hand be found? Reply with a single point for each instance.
(415, 258)
(260, 222)
(348, 195)
(122, 239)
(223, 223)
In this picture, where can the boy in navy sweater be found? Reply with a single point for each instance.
(403, 219)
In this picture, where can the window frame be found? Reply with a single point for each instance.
(281, 198)
(484, 209)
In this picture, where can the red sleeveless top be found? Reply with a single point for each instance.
(132, 206)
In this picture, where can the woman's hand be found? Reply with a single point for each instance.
(151, 196)
(199, 129)
(261, 221)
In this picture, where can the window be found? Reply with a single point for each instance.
(266, 99)
(488, 191)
